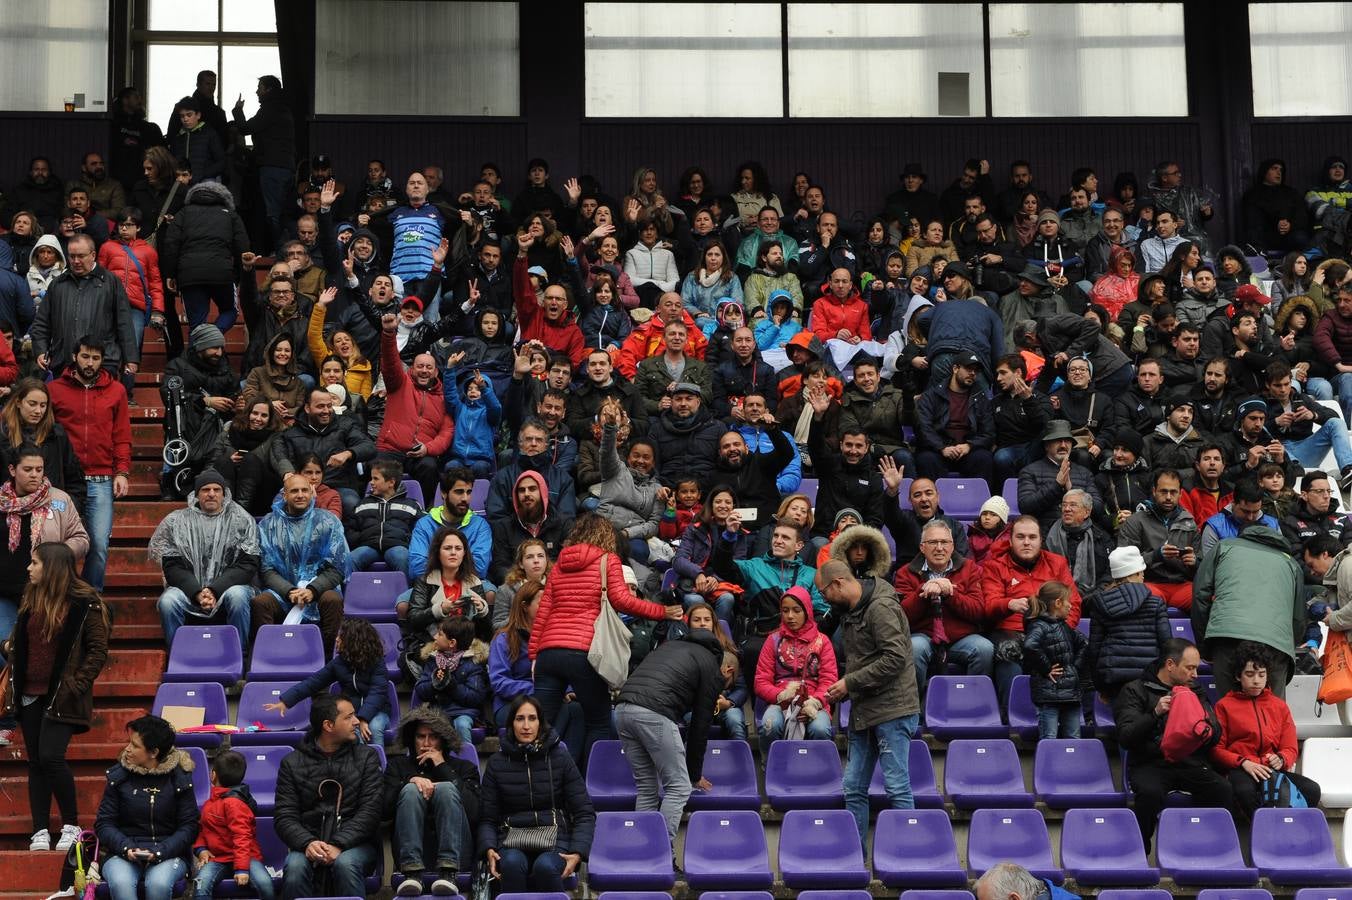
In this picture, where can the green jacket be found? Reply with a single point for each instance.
(879, 417)
(879, 669)
(1249, 588)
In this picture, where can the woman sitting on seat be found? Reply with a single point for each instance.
(797, 664)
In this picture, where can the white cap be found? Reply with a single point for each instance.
(1125, 561)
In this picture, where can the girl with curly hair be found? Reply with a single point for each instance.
(358, 666)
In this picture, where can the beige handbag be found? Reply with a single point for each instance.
(609, 651)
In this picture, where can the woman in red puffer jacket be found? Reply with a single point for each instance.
(564, 623)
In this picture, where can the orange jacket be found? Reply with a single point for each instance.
(646, 340)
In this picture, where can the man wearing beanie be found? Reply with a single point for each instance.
(209, 553)
(1123, 477)
(209, 385)
(1174, 443)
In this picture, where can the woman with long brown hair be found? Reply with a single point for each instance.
(27, 419)
(58, 648)
(159, 194)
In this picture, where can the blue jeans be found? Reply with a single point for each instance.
(733, 720)
(464, 726)
(232, 607)
(482, 468)
(197, 301)
(349, 873)
(1342, 384)
(379, 724)
(1319, 388)
(350, 497)
(1058, 720)
(447, 844)
(723, 604)
(556, 668)
(123, 876)
(99, 524)
(974, 654)
(1331, 435)
(889, 742)
(1010, 460)
(542, 873)
(211, 874)
(275, 184)
(772, 726)
(394, 557)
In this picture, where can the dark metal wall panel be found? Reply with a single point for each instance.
(1304, 145)
(458, 147)
(63, 139)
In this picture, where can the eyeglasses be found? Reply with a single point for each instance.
(937, 543)
(1320, 492)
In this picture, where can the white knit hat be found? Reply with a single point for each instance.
(997, 505)
(1125, 561)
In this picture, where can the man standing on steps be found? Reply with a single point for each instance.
(86, 299)
(92, 406)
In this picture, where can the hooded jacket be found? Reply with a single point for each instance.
(1128, 625)
(1263, 205)
(96, 419)
(39, 279)
(1049, 642)
(806, 656)
(150, 809)
(203, 243)
(16, 300)
(383, 523)
(1250, 589)
(560, 334)
(878, 663)
(560, 493)
(572, 599)
(508, 530)
(963, 612)
(523, 783)
(1252, 728)
(301, 805)
(646, 341)
(402, 764)
(679, 678)
(1005, 578)
(228, 829)
(1165, 451)
(462, 692)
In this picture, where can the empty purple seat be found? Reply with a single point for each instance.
(1082, 627)
(727, 895)
(1011, 835)
(1104, 720)
(634, 895)
(803, 775)
(916, 848)
(389, 639)
(201, 773)
(278, 728)
(1104, 846)
(610, 780)
(1293, 846)
(1233, 894)
(1181, 628)
(984, 774)
(1137, 894)
(962, 706)
(923, 787)
(1201, 847)
(731, 768)
(726, 849)
(478, 496)
(1324, 894)
(1068, 773)
(413, 490)
(962, 497)
(630, 852)
(209, 695)
(1011, 495)
(834, 895)
(1022, 712)
(819, 848)
(286, 651)
(205, 653)
(808, 488)
(371, 595)
(260, 774)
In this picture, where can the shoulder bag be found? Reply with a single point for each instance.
(609, 651)
(542, 832)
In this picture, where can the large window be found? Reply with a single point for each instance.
(55, 54)
(236, 39)
(646, 60)
(417, 58)
(1302, 58)
(1088, 59)
(875, 59)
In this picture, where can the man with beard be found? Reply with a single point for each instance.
(417, 428)
(490, 279)
(1212, 403)
(1081, 222)
(603, 383)
(532, 455)
(209, 384)
(40, 193)
(1043, 484)
(768, 230)
(753, 475)
(1168, 538)
(954, 427)
(1250, 444)
(131, 136)
(963, 231)
(1183, 368)
(531, 516)
(457, 487)
(1020, 182)
(748, 420)
(106, 195)
(1294, 416)
(1206, 493)
(908, 523)
(338, 440)
(975, 181)
(740, 374)
(687, 436)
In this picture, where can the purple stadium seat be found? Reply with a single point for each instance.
(1234, 894)
(1083, 627)
(1138, 894)
(732, 770)
(201, 773)
(209, 695)
(630, 852)
(963, 706)
(808, 488)
(1103, 846)
(1294, 847)
(904, 493)
(834, 895)
(984, 774)
(916, 848)
(205, 653)
(923, 786)
(819, 848)
(1011, 835)
(468, 753)
(934, 895)
(286, 651)
(610, 780)
(544, 895)
(389, 639)
(1105, 721)
(962, 497)
(478, 497)
(371, 595)
(1022, 712)
(1324, 894)
(635, 895)
(1070, 773)
(1011, 495)
(726, 895)
(278, 728)
(726, 849)
(1201, 847)
(1181, 628)
(413, 490)
(261, 774)
(803, 775)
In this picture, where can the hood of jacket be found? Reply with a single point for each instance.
(1262, 168)
(1300, 301)
(47, 240)
(808, 341)
(175, 759)
(375, 247)
(1268, 537)
(540, 483)
(433, 718)
(1124, 599)
(210, 193)
(1189, 435)
(880, 555)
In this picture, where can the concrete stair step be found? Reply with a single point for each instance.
(29, 875)
(137, 519)
(134, 615)
(129, 567)
(131, 674)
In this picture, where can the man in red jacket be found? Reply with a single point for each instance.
(548, 319)
(417, 430)
(840, 313)
(1333, 343)
(92, 406)
(940, 581)
(1016, 570)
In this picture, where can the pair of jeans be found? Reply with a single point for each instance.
(379, 724)
(889, 743)
(653, 746)
(198, 299)
(724, 604)
(232, 607)
(541, 873)
(1342, 385)
(211, 874)
(1058, 720)
(45, 742)
(138, 330)
(99, 524)
(772, 726)
(482, 468)
(394, 557)
(556, 668)
(348, 873)
(437, 823)
(978, 463)
(1009, 461)
(974, 654)
(122, 877)
(1310, 451)
(275, 184)
(1319, 388)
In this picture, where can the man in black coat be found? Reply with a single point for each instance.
(687, 436)
(753, 475)
(85, 300)
(924, 507)
(328, 771)
(847, 478)
(1142, 710)
(274, 147)
(339, 441)
(743, 373)
(603, 382)
(209, 385)
(1044, 482)
(963, 444)
(1142, 407)
(1184, 367)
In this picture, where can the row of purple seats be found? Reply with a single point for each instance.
(962, 497)
(478, 497)
(728, 765)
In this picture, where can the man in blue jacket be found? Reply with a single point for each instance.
(962, 326)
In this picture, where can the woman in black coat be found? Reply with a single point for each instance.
(524, 784)
(27, 418)
(148, 816)
(201, 253)
(1078, 403)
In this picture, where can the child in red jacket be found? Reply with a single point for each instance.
(227, 837)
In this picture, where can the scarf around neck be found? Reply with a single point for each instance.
(15, 508)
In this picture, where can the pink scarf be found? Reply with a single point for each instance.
(15, 508)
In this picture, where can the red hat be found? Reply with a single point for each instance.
(1247, 293)
(412, 301)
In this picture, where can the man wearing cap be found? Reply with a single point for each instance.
(1123, 477)
(963, 326)
(1174, 442)
(1059, 337)
(1032, 298)
(1217, 339)
(1166, 535)
(1333, 343)
(687, 436)
(209, 554)
(954, 426)
(1250, 444)
(1044, 482)
(1293, 417)
(911, 200)
(1159, 248)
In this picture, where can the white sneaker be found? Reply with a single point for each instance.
(69, 835)
(410, 887)
(41, 840)
(6, 737)
(444, 887)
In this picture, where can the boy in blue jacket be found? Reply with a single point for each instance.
(477, 415)
(454, 677)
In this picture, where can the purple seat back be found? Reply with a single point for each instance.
(937, 895)
(961, 498)
(819, 848)
(924, 789)
(209, 695)
(205, 653)
(959, 706)
(731, 768)
(916, 848)
(1137, 894)
(1231, 894)
(610, 779)
(371, 595)
(1104, 846)
(1011, 495)
(278, 728)
(808, 488)
(261, 773)
(1201, 847)
(834, 895)
(1294, 846)
(1074, 772)
(201, 774)
(630, 852)
(286, 651)
(413, 490)
(389, 639)
(1022, 712)
(1011, 835)
(727, 849)
(803, 775)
